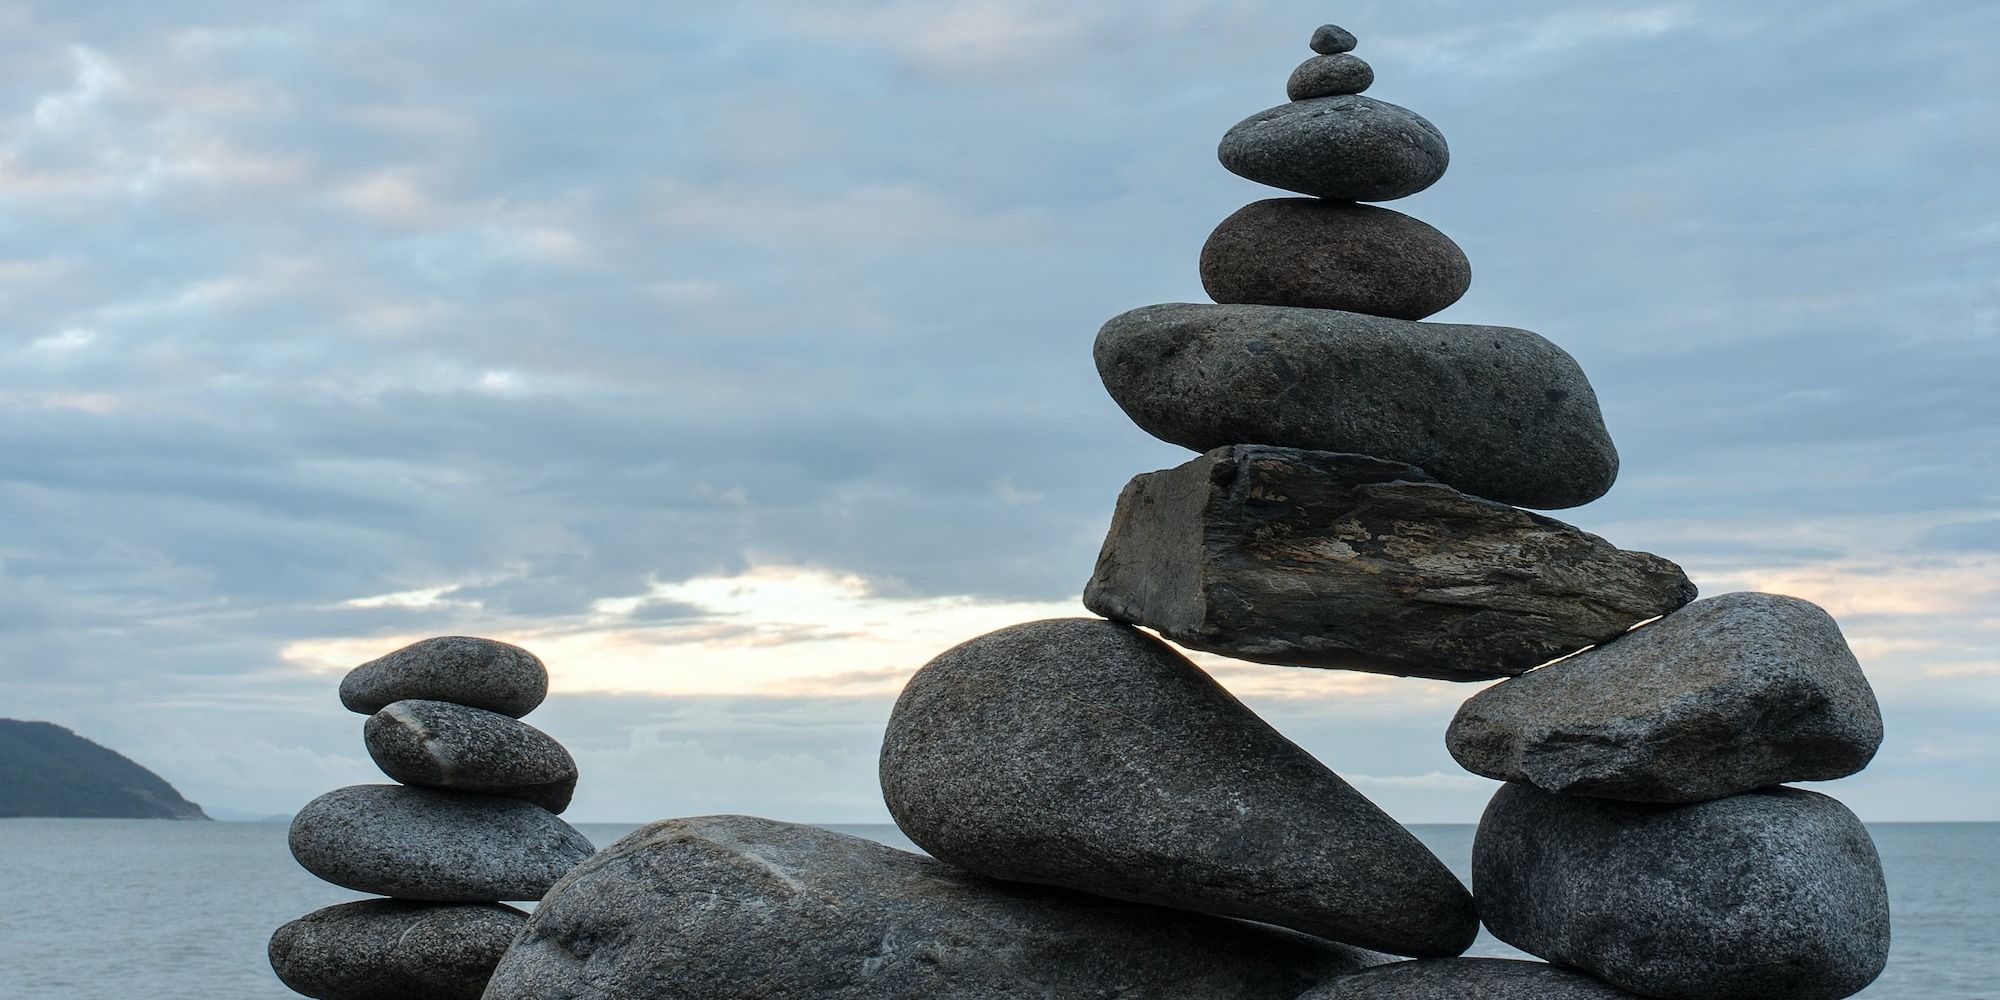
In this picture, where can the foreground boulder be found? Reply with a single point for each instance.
(1723, 696)
(1774, 895)
(440, 744)
(1089, 755)
(461, 669)
(737, 908)
(433, 844)
(390, 949)
(1330, 560)
(1347, 148)
(1333, 255)
(1467, 979)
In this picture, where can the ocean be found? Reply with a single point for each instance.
(103, 909)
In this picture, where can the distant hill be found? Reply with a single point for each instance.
(46, 770)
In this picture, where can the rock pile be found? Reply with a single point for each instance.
(473, 823)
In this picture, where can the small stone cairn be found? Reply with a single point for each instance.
(472, 823)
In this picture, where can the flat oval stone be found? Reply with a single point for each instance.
(1329, 76)
(432, 844)
(463, 670)
(1318, 254)
(1467, 979)
(391, 949)
(1348, 148)
(1088, 755)
(1775, 894)
(737, 908)
(1493, 411)
(439, 744)
(1726, 695)
(1330, 39)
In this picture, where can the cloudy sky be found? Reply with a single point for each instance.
(736, 357)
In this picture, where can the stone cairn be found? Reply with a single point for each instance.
(472, 823)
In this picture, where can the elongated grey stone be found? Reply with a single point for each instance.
(432, 844)
(439, 744)
(737, 908)
(1775, 894)
(1728, 694)
(391, 949)
(1467, 979)
(463, 670)
(1085, 754)
(1322, 559)
(1493, 411)
(1347, 148)
(1333, 255)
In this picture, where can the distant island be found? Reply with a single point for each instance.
(48, 771)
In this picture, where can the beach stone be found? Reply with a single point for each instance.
(1496, 412)
(437, 743)
(1332, 39)
(1323, 559)
(1329, 76)
(1319, 254)
(738, 908)
(1347, 147)
(1775, 894)
(1085, 754)
(460, 669)
(1728, 694)
(1467, 979)
(433, 844)
(391, 949)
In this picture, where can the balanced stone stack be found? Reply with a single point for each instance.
(472, 823)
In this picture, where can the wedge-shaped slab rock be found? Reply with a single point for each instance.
(736, 908)
(439, 744)
(1775, 894)
(1494, 411)
(390, 949)
(463, 670)
(1089, 755)
(1467, 979)
(1320, 559)
(1725, 695)
(1333, 255)
(433, 844)
(1348, 148)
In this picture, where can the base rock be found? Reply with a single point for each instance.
(389, 949)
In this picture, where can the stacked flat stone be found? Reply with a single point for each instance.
(473, 823)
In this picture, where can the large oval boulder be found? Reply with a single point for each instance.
(1467, 979)
(439, 744)
(461, 669)
(1346, 147)
(1333, 255)
(1086, 754)
(392, 949)
(433, 844)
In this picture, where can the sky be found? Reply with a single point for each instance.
(735, 358)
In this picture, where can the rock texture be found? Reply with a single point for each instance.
(1776, 894)
(1329, 76)
(1333, 255)
(735, 908)
(1347, 148)
(1331, 560)
(432, 844)
(460, 669)
(437, 743)
(1332, 39)
(1493, 411)
(1467, 979)
(389, 949)
(1088, 755)
(1726, 695)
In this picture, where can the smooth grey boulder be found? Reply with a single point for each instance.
(1775, 894)
(1493, 411)
(1329, 76)
(1086, 754)
(738, 908)
(391, 949)
(1347, 147)
(1319, 254)
(1725, 695)
(461, 669)
(433, 844)
(439, 744)
(1467, 979)
(1321, 559)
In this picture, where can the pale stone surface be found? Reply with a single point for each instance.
(437, 743)
(461, 669)
(391, 949)
(432, 844)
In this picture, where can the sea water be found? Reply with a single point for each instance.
(103, 909)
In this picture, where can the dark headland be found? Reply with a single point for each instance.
(48, 771)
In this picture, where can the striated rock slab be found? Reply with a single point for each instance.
(1493, 411)
(463, 670)
(1089, 755)
(1333, 255)
(1467, 979)
(1347, 148)
(737, 908)
(390, 949)
(1322, 559)
(1726, 695)
(1776, 894)
(432, 844)
(439, 744)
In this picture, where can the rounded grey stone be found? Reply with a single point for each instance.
(1331, 39)
(463, 670)
(1493, 411)
(1728, 694)
(1318, 254)
(1467, 979)
(391, 949)
(1329, 76)
(737, 908)
(1088, 755)
(437, 743)
(1775, 894)
(1348, 148)
(432, 844)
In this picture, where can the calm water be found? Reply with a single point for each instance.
(102, 909)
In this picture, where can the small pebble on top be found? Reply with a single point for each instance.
(1332, 39)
